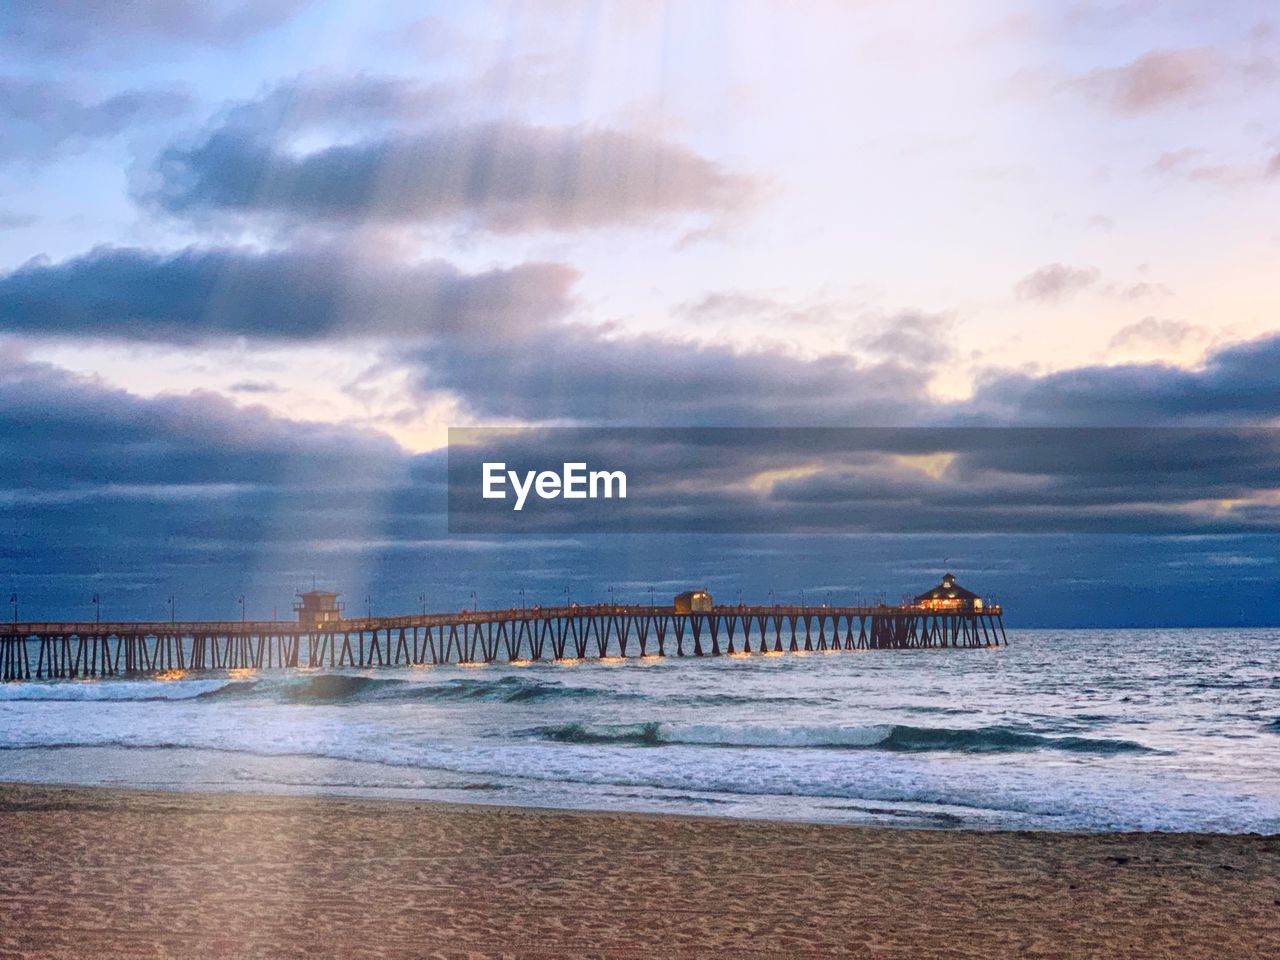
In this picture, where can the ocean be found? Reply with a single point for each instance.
(1093, 730)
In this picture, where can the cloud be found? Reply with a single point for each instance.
(1055, 281)
(1189, 163)
(324, 101)
(911, 480)
(1141, 290)
(230, 480)
(297, 294)
(1237, 384)
(734, 305)
(1157, 79)
(578, 374)
(740, 309)
(140, 497)
(504, 178)
(498, 175)
(1158, 333)
(915, 338)
(86, 437)
(254, 386)
(60, 27)
(40, 118)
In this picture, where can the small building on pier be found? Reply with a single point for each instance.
(692, 601)
(318, 607)
(950, 597)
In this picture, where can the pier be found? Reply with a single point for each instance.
(38, 651)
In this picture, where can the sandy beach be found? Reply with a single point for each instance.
(112, 873)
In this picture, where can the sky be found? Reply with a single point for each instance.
(257, 258)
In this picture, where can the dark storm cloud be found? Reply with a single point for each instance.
(947, 478)
(38, 118)
(501, 176)
(1237, 384)
(578, 374)
(62, 27)
(84, 456)
(62, 432)
(140, 497)
(296, 294)
(925, 480)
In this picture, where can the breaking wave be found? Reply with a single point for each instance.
(317, 688)
(340, 688)
(885, 737)
(323, 688)
(642, 734)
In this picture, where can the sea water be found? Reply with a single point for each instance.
(1062, 730)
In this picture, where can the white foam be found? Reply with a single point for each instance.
(107, 690)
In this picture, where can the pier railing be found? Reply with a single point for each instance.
(57, 650)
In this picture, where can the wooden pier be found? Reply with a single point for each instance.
(38, 651)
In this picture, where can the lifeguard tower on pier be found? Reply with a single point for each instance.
(692, 601)
(318, 607)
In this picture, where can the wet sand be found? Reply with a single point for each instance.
(112, 873)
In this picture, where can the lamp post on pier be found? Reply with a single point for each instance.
(97, 608)
(172, 615)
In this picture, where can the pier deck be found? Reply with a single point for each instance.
(35, 651)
